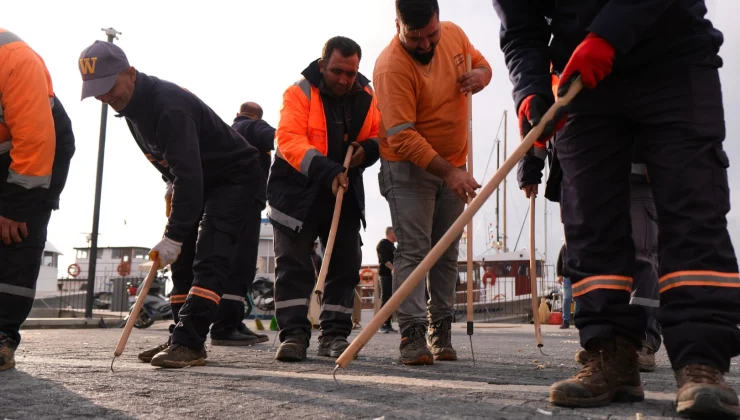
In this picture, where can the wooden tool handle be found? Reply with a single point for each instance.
(143, 291)
(334, 224)
(469, 230)
(533, 272)
(452, 233)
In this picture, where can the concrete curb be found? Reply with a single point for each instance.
(41, 323)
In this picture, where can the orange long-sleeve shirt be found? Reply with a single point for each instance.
(26, 125)
(423, 112)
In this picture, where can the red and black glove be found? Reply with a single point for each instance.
(592, 60)
(531, 111)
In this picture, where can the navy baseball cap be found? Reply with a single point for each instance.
(100, 65)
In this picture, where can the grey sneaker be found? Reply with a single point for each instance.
(413, 347)
(440, 340)
(178, 356)
(332, 346)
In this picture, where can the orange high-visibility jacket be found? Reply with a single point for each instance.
(301, 166)
(302, 133)
(27, 137)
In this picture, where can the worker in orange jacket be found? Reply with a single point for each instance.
(329, 110)
(36, 141)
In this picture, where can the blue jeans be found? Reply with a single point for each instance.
(567, 299)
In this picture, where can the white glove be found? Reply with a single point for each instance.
(168, 193)
(168, 199)
(166, 251)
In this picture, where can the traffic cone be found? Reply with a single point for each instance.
(273, 324)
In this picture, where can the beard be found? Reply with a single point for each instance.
(423, 57)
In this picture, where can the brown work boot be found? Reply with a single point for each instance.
(7, 353)
(178, 356)
(292, 349)
(646, 359)
(440, 340)
(609, 374)
(703, 392)
(413, 347)
(582, 356)
(146, 356)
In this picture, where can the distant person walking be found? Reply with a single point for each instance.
(386, 249)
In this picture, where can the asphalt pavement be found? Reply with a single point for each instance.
(64, 374)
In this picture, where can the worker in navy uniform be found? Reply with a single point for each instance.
(216, 182)
(650, 71)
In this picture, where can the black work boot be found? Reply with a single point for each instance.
(609, 374)
(147, 355)
(263, 338)
(413, 347)
(440, 340)
(233, 338)
(7, 352)
(178, 356)
(292, 349)
(703, 392)
(332, 346)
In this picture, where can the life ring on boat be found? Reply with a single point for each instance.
(124, 269)
(489, 277)
(367, 272)
(73, 270)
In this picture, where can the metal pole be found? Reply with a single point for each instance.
(504, 238)
(111, 33)
(545, 221)
(498, 191)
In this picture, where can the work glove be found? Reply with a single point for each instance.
(166, 252)
(168, 199)
(592, 60)
(531, 111)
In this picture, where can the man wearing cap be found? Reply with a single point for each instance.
(215, 176)
(36, 146)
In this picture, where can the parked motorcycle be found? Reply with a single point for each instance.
(156, 305)
(260, 296)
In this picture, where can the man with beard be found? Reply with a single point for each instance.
(328, 111)
(422, 85)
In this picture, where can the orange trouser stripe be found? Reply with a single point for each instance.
(178, 298)
(205, 294)
(602, 282)
(698, 278)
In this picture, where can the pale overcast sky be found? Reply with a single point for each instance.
(231, 52)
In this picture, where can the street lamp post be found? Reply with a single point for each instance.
(93, 255)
